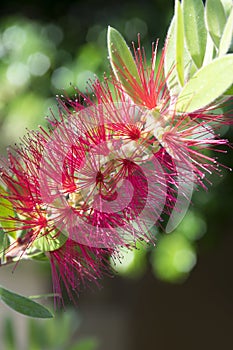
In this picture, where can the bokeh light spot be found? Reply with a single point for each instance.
(184, 260)
(62, 77)
(54, 33)
(18, 74)
(14, 37)
(38, 63)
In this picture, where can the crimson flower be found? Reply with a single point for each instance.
(106, 170)
(34, 227)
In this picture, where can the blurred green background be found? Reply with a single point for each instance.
(177, 295)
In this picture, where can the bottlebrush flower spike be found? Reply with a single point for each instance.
(146, 85)
(181, 130)
(82, 183)
(33, 220)
(105, 177)
(104, 173)
(74, 265)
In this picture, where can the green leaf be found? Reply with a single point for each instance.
(24, 305)
(4, 244)
(49, 242)
(121, 59)
(216, 19)
(179, 30)
(227, 5)
(170, 67)
(229, 91)
(6, 211)
(195, 30)
(209, 52)
(169, 62)
(226, 38)
(39, 256)
(207, 84)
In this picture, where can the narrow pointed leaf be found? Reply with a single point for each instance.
(24, 305)
(179, 30)
(216, 19)
(169, 62)
(121, 59)
(170, 66)
(209, 83)
(227, 5)
(226, 38)
(209, 51)
(195, 30)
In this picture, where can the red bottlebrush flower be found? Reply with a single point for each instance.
(185, 137)
(103, 175)
(73, 265)
(188, 139)
(84, 180)
(144, 84)
(33, 220)
(22, 193)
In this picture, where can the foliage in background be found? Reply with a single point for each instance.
(35, 67)
(58, 334)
